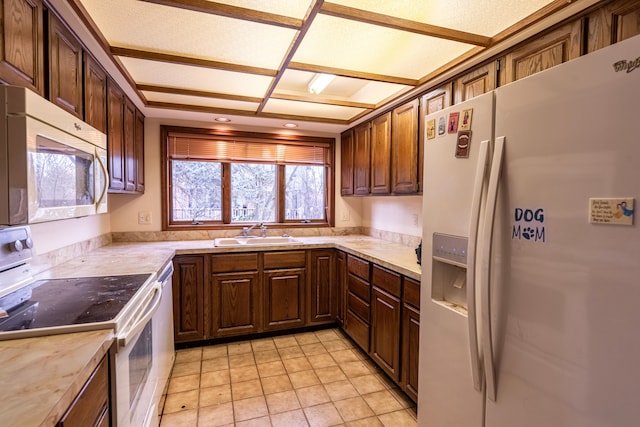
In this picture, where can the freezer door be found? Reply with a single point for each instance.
(565, 288)
(447, 396)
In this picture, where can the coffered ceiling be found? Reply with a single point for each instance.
(255, 58)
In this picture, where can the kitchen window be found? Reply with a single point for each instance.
(219, 179)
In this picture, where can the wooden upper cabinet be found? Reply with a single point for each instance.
(95, 94)
(65, 67)
(480, 80)
(549, 50)
(130, 173)
(404, 155)
(614, 22)
(22, 44)
(346, 163)
(115, 136)
(361, 159)
(381, 154)
(139, 151)
(435, 100)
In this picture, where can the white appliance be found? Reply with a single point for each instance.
(52, 165)
(531, 253)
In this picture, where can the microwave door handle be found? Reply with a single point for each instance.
(125, 336)
(105, 174)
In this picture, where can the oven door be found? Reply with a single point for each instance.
(136, 365)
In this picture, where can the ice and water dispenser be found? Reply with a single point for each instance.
(449, 271)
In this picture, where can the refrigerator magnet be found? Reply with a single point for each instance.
(442, 126)
(431, 128)
(463, 143)
(465, 120)
(452, 127)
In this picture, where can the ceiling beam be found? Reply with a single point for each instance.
(293, 47)
(235, 12)
(352, 74)
(200, 93)
(401, 24)
(232, 112)
(187, 60)
(322, 100)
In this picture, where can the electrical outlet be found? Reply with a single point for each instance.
(144, 217)
(345, 215)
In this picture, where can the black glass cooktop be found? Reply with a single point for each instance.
(61, 302)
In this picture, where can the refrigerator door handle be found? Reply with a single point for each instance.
(476, 199)
(485, 277)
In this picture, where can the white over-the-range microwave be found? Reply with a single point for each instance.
(52, 165)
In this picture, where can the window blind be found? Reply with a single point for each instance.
(227, 149)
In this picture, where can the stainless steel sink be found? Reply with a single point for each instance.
(255, 241)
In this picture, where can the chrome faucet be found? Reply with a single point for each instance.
(246, 230)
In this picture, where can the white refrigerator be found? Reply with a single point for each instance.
(530, 296)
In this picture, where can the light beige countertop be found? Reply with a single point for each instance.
(150, 257)
(42, 376)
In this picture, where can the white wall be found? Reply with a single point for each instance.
(397, 214)
(49, 236)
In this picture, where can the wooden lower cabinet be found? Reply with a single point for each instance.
(91, 405)
(284, 298)
(188, 298)
(235, 294)
(235, 302)
(321, 270)
(385, 320)
(410, 347)
(284, 289)
(341, 287)
(358, 301)
(410, 337)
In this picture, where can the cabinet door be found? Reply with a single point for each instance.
(435, 100)
(410, 347)
(188, 298)
(554, 48)
(480, 80)
(341, 286)
(115, 136)
(381, 154)
(361, 159)
(65, 67)
(346, 163)
(614, 22)
(95, 94)
(130, 173)
(385, 332)
(139, 152)
(21, 44)
(235, 299)
(284, 298)
(322, 286)
(404, 155)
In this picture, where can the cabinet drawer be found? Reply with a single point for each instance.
(359, 287)
(387, 280)
(411, 292)
(359, 307)
(357, 330)
(92, 401)
(284, 259)
(230, 263)
(358, 266)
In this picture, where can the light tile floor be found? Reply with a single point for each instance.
(308, 379)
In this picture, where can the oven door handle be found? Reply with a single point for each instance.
(145, 316)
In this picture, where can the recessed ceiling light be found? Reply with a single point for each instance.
(290, 125)
(222, 119)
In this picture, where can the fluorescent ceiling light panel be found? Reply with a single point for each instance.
(319, 82)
